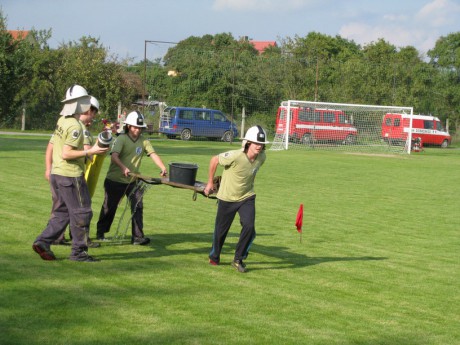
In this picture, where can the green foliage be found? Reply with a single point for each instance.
(12, 70)
(219, 71)
(316, 46)
(446, 52)
(266, 120)
(85, 63)
(209, 71)
(445, 56)
(35, 78)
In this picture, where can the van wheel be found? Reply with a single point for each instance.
(306, 139)
(444, 144)
(186, 134)
(227, 137)
(350, 139)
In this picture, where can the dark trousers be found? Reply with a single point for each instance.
(226, 212)
(71, 205)
(114, 192)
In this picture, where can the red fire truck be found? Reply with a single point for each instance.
(308, 125)
(429, 129)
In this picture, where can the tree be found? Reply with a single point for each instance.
(84, 63)
(315, 63)
(38, 91)
(208, 71)
(412, 79)
(446, 52)
(11, 67)
(445, 57)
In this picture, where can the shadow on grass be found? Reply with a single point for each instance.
(164, 245)
(286, 259)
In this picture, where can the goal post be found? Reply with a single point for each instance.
(341, 126)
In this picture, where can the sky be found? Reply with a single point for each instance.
(124, 26)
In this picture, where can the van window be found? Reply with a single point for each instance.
(439, 126)
(304, 115)
(388, 121)
(186, 114)
(282, 114)
(427, 124)
(397, 122)
(343, 118)
(308, 116)
(219, 117)
(204, 115)
(170, 112)
(315, 117)
(329, 117)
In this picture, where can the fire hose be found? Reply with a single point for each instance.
(197, 188)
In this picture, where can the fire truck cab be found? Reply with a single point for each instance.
(308, 125)
(395, 129)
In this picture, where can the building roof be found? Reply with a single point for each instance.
(260, 46)
(18, 34)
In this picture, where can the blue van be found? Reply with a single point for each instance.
(196, 122)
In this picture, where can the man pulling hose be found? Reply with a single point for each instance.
(236, 194)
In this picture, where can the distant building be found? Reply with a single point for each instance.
(19, 34)
(260, 46)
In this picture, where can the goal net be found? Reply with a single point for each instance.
(335, 126)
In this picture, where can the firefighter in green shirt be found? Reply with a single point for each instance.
(236, 194)
(126, 155)
(86, 120)
(71, 199)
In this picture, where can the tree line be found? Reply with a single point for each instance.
(222, 72)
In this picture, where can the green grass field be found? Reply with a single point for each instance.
(378, 262)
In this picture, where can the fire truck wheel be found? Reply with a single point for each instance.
(350, 139)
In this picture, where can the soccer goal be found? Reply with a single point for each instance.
(336, 126)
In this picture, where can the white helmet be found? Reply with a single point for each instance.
(94, 102)
(74, 92)
(256, 134)
(135, 119)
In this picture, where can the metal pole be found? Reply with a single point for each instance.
(144, 91)
(23, 119)
(316, 80)
(288, 125)
(233, 94)
(243, 120)
(409, 137)
(145, 75)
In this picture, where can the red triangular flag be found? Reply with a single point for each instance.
(299, 219)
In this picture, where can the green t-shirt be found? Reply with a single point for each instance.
(88, 139)
(238, 176)
(130, 153)
(68, 131)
